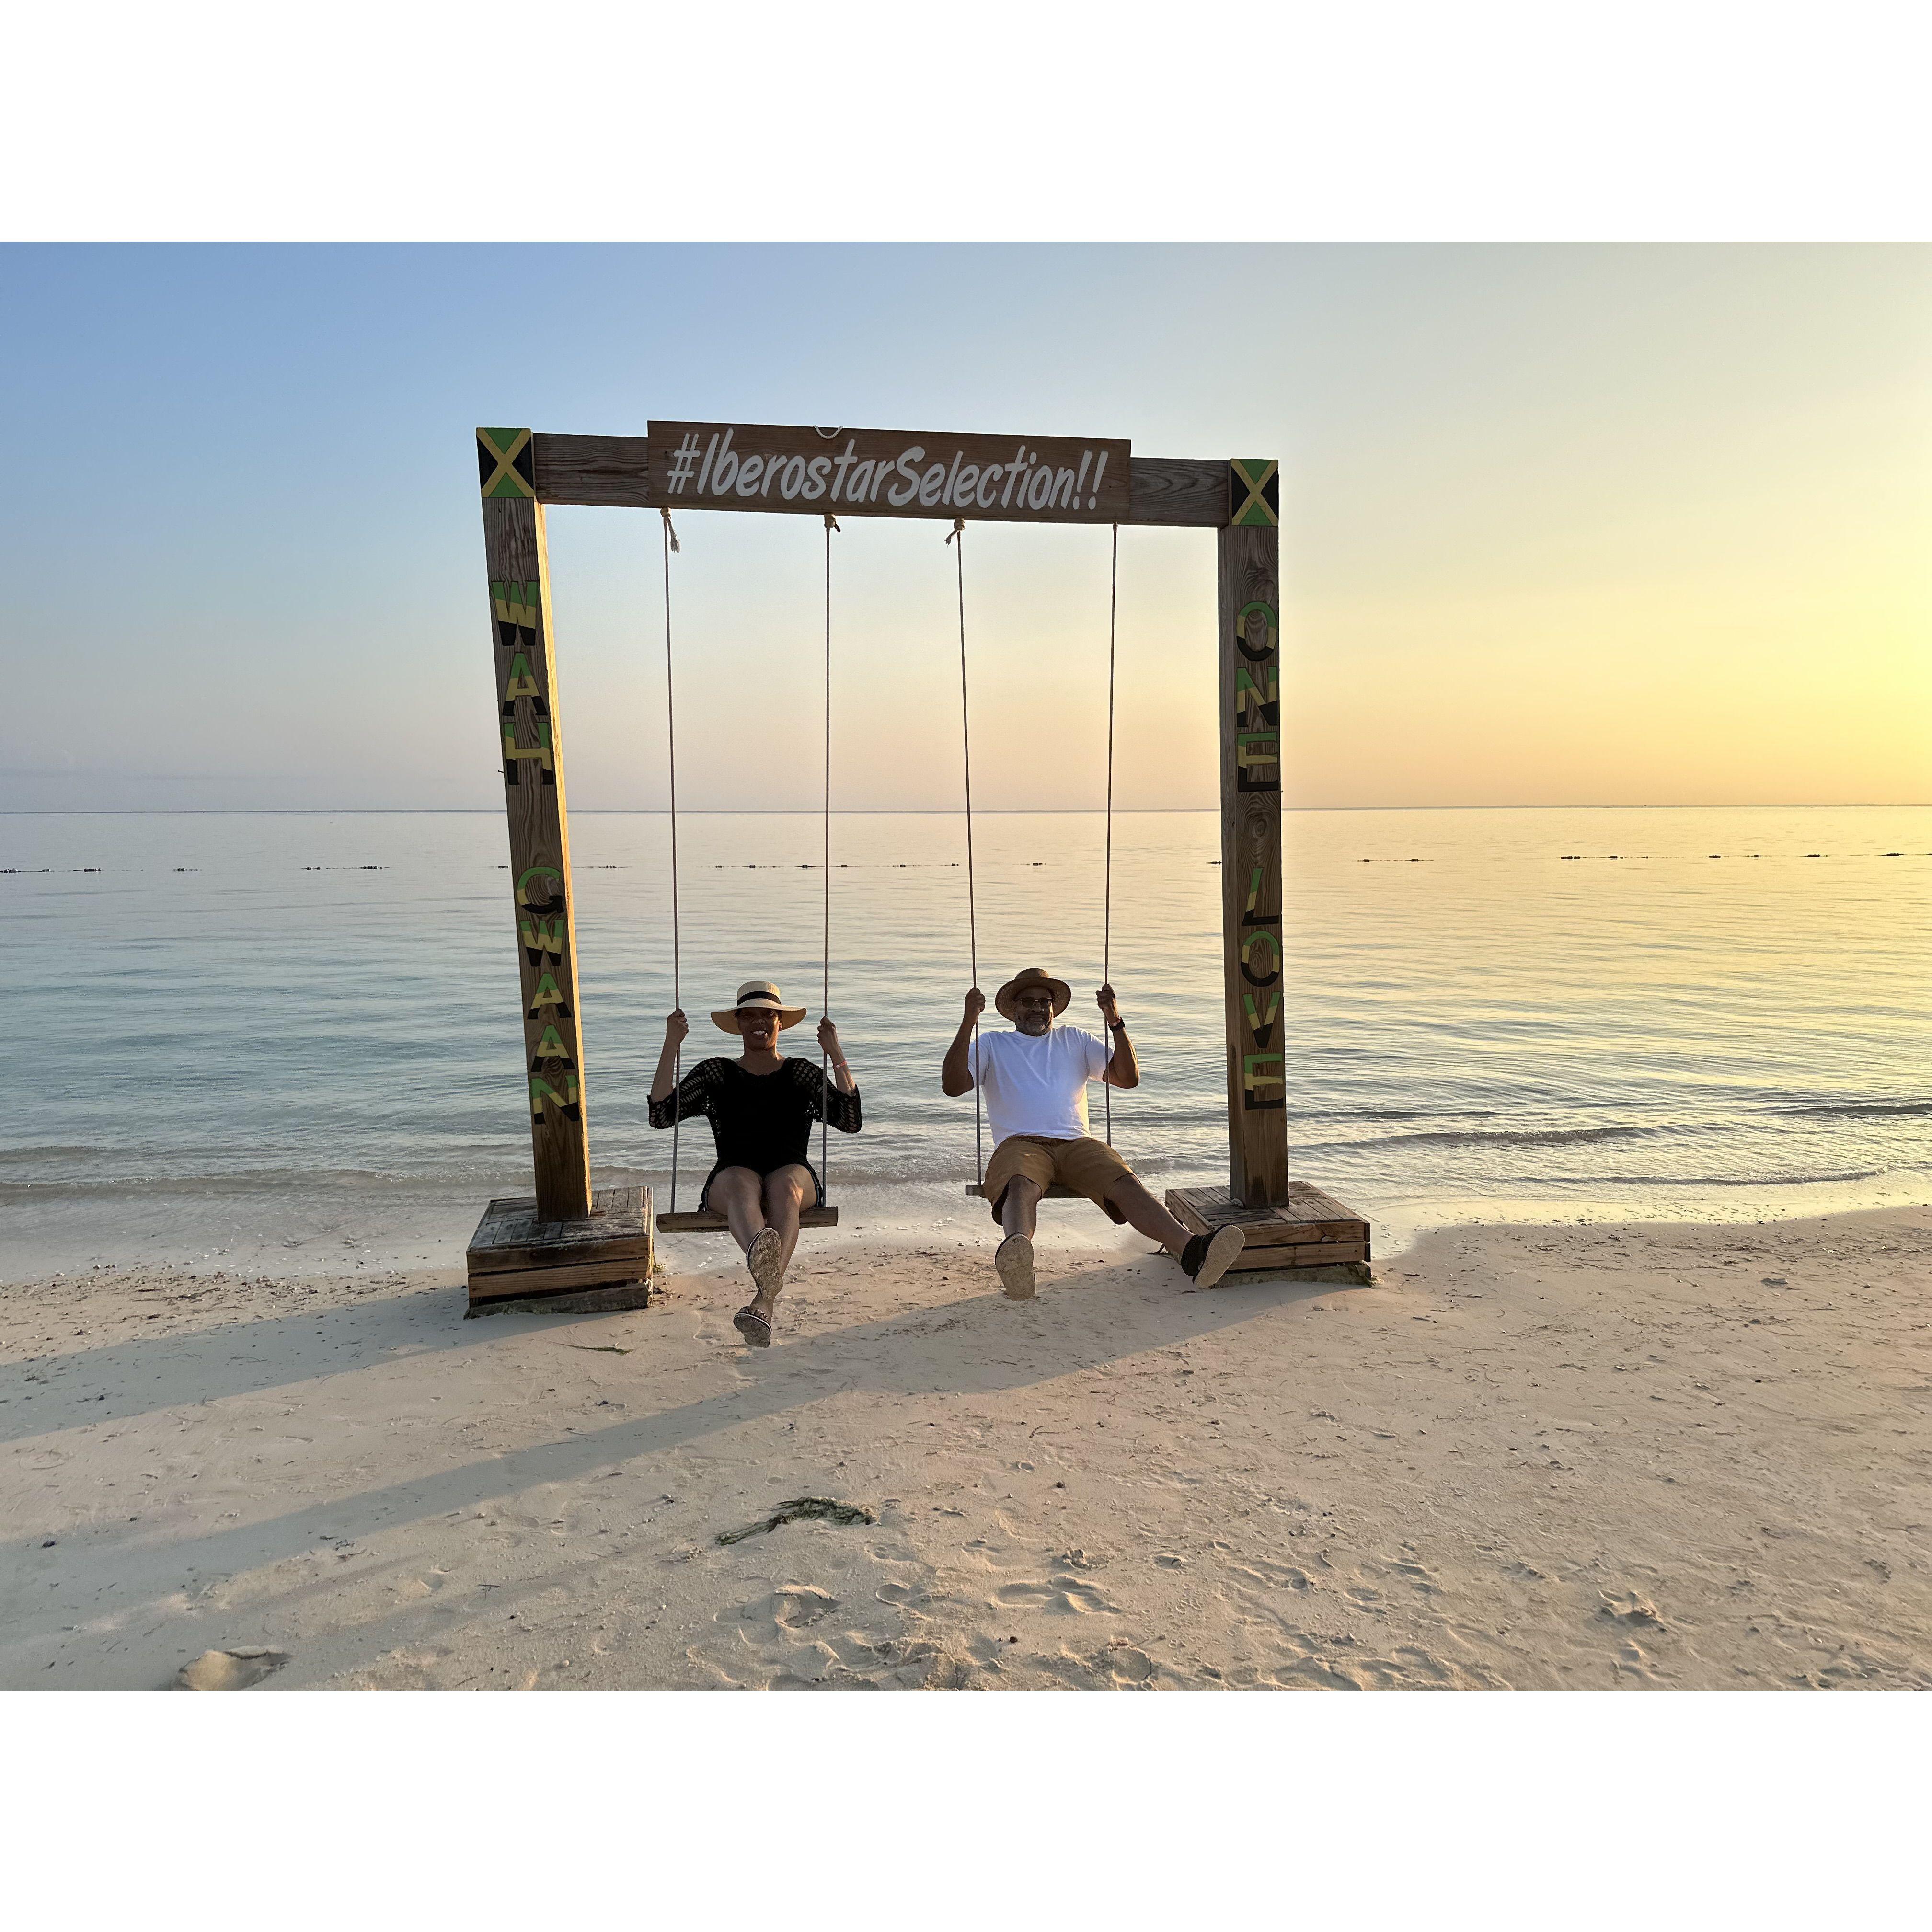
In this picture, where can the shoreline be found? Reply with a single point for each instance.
(415, 1225)
(1532, 1455)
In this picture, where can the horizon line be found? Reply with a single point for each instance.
(892, 812)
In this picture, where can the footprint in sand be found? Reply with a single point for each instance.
(988, 1652)
(1627, 1607)
(1632, 1661)
(998, 1556)
(792, 1609)
(1065, 1594)
(1121, 1667)
(228, 1669)
(1320, 1673)
(797, 1638)
(1267, 1576)
(1408, 1669)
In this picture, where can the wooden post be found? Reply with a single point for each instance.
(532, 753)
(1249, 547)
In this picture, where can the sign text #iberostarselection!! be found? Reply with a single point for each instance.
(888, 472)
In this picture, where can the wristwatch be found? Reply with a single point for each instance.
(1117, 1026)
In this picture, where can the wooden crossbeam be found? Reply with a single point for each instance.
(614, 471)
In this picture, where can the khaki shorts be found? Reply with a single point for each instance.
(1089, 1167)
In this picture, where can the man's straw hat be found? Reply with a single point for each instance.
(757, 993)
(1032, 976)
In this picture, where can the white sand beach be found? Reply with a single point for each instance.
(1691, 1455)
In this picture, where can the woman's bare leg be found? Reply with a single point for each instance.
(736, 1194)
(785, 1190)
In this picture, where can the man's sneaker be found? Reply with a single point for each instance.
(1014, 1259)
(1207, 1258)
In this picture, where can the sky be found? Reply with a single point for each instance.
(1562, 524)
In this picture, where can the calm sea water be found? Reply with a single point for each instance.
(297, 1035)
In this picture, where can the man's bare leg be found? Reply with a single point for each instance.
(1019, 1211)
(1213, 1254)
(1018, 1215)
(1146, 1215)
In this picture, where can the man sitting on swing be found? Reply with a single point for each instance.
(761, 1106)
(1035, 1081)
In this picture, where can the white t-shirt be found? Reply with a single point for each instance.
(1038, 1085)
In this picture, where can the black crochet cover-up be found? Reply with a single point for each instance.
(762, 1121)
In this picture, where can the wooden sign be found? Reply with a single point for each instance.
(888, 473)
(1250, 605)
(531, 744)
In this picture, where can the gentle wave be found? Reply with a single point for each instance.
(1683, 1180)
(273, 1183)
(1448, 1138)
(1353, 1115)
(37, 1155)
(1860, 1110)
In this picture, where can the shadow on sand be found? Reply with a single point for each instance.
(979, 1345)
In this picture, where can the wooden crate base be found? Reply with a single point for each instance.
(1329, 1274)
(1312, 1237)
(514, 1257)
(591, 1301)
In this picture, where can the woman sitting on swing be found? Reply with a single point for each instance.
(761, 1106)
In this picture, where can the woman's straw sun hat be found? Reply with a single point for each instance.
(757, 993)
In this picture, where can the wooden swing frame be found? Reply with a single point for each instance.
(564, 1240)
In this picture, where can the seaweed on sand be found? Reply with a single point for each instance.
(798, 1509)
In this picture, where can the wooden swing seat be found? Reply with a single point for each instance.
(711, 1223)
(1055, 1192)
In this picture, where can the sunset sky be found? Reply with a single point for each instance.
(1561, 525)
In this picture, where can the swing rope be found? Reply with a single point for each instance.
(1107, 886)
(958, 537)
(825, 951)
(670, 543)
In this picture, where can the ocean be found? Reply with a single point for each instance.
(253, 1038)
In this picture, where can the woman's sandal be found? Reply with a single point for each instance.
(765, 1258)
